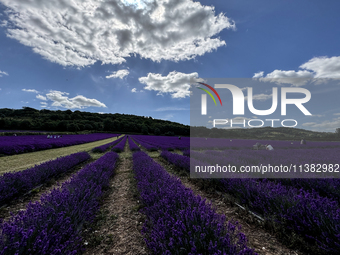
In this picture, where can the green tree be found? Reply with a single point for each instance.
(144, 130)
(108, 125)
(72, 127)
(62, 125)
(157, 131)
(25, 124)
(88, 127)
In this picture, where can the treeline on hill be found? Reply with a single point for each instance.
(264, 133)
(46, 120)
(67, 121)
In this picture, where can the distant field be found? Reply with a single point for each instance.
(23, 161)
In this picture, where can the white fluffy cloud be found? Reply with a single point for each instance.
(175, 83)
(315, 68)
(41, 97)
(258, 75)
(134, 90)
(119, 74)
(298, 78)
(61, 99)
(3, 73)
(43, 104)
(82, 32)
(324, 67)
(30, 90)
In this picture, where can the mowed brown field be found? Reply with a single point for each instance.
(23, 161)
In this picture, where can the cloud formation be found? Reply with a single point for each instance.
(43, 104)
(175, 83)
(327, 125)
(41, 97)
(61, 99)
(119, 74)
(298, 78)
(323, 67)
(258, 75)
(134, 90)
(30, 90)
(315, 68)
(79, 33)
(3, 73)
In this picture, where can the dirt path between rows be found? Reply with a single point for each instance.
(259, 239)
(119, 224)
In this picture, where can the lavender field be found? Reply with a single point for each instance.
(172, 216)
(10, 145)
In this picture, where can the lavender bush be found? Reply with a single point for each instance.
(328, 187)
(274, 158)
(186, 153)
(146, 145)
(177, 160)
(132, 145)
(53, 225)
(163, 142)
(15, 184)
(315, 218)
(178, 222)
(120, 146)
(103, 148)
(305, 212)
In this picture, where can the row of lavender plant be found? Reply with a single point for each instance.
(326, 187)
(165, 142)
(287, 158)
(53, 225)
(10, 145)
(132, 145)
(314, 217)
(120, 146)
(178, 222)
(15, 184)
(146, 145)
(186, 153)
(177, 160)
(223, 143)
(103, 148)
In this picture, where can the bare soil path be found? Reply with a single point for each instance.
(117, 229)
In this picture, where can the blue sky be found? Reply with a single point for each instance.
(140, 57)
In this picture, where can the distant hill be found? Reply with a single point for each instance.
(270, 133)
(67, 121)
(60, 121)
